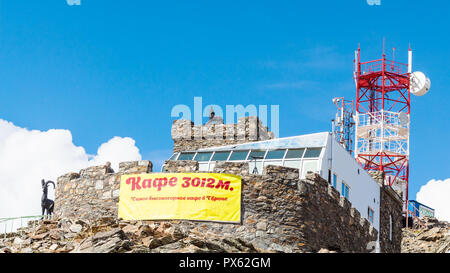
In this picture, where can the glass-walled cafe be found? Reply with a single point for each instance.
(302, 152)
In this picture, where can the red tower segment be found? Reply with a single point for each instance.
(382, 119)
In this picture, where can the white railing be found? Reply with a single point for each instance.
(382, 131)
(397, 147)
(15, 224)
(385, 117)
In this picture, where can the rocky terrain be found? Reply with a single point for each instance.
(427, 236)
(108, 235)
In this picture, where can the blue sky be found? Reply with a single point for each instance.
(116, 68)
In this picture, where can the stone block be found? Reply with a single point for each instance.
(333, 193)
(180, 166)
(99, 184)
(94, 171)
(237, 168)
(262, 225)
(106, 195)
(345, 204)
(116, 193)
(355, 214)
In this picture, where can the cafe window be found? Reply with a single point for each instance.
(294, 153)
(275, 154)
(220, 156)
(186, 156)
(238, 155)
(203, 156)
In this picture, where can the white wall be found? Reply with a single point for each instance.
(363, 188)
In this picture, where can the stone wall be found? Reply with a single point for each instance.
(379, 177)
(283, 213)
(188, 137)
(329, 219)
(180, 166)
(92, 193)
(390, 206)
(280, 213)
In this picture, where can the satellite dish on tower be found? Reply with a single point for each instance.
(419, 83)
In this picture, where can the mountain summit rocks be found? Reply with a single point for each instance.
(427, 236)
(108, 235)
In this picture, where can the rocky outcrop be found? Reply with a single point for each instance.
(428, 235)
(109, 235)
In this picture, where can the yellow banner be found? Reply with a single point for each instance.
(188, 196)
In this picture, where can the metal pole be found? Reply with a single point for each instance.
(407, 214)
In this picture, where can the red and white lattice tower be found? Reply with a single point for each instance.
(382, 117)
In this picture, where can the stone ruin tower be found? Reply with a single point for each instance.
(189, 137)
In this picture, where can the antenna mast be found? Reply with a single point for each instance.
(343, 124)
(382, 116)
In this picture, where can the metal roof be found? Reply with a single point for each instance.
(414, 201)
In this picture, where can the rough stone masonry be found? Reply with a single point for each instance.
(93, 193)
(280, 212)
(188, 137)
(390, 215)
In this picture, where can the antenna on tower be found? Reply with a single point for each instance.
(343, 124)
(409, 59)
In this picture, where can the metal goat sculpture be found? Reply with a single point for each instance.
(47, 204)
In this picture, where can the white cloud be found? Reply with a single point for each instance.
(436, 194)
(27, 156)
(116, 150)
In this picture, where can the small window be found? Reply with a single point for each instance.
(186, 156)
(174, 156)
(275, 154)
(295, 153)
(334, 180)
(257, 154)
(345, 190)
(370, 213)
(329, 176)
(203, 156)
(239, 155)
(313, 152)
(220, 156)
